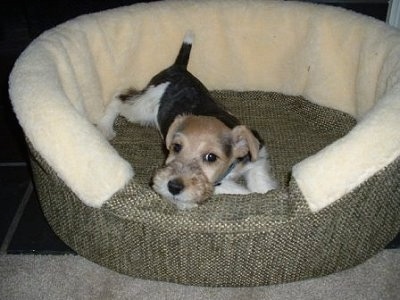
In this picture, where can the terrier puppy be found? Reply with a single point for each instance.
(208, 147)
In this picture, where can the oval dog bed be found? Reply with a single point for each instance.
(320, 84)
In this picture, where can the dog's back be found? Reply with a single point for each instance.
(185, 94)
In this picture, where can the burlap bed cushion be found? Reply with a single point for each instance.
(230, 240)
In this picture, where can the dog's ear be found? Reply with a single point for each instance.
(244, 142)
(175, 126)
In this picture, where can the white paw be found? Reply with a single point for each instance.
(230, 187)
(106, 123)
(108, 132)
(259, 178)
(262, 184)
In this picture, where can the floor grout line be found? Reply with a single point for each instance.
(17, 217)
(13, 164)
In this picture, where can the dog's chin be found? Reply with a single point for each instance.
(187, 199)
(196, 191)
(182, 204)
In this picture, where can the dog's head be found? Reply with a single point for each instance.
(202, 150)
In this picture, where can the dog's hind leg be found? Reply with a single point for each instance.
(106, 124)
(143, 108)
(137, 107)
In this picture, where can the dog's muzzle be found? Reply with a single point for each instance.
(183, 184)
(175, 186)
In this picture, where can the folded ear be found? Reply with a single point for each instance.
(175, 126)
(245, 142)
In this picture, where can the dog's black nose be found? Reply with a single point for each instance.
(175, 186)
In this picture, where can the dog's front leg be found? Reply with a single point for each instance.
(259, 178)
(231, 187)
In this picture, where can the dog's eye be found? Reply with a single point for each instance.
(176, 148)
(210, 157)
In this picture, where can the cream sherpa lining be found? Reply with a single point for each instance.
(62, 82)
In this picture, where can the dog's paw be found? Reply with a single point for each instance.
(106, 123)
(259, 178)
(230, 187)
(262, 185)
(107, 132)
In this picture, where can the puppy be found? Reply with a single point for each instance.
(209, 149)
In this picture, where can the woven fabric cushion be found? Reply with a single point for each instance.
(291, 127)
(235, 240)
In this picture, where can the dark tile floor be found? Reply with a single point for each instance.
(23, 228)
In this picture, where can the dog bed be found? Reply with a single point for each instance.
(320, 84)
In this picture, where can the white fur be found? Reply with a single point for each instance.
(230, 187)
(257, 175)
(189, 37)
(106, 124)
(140, 109)
(144, 108)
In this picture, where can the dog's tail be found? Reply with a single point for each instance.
(184, 53)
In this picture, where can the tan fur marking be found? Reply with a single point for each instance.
(201, 150)
(199, 136)
(245, 142)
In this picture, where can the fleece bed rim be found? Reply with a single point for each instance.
(363, 82)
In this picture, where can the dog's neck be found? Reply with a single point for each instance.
(232, 167)
(227, 172)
